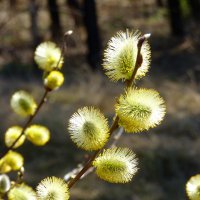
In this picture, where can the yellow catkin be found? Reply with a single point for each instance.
(52, 188)
(37, 134)
(47, 55)
(11, 161)
(23, 103)
(54, 80)
(12, 134)
(120, 56)
(88, 128)
(22, 192)
(193, 187)
(116, 165)
(140, 109)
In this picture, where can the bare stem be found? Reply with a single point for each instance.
(138, 60)
(117, 137)
(114, 126)
(64, 47)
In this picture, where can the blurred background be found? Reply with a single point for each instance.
(169, 154)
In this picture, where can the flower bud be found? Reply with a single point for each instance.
(4, 183)
(193, 187)
(47, 56)
(121, 55)
(38, 135)
(89, 129)
(4, 167)
(52, 188)
(116, 165)
(12, 134)
(54, 80)
(23, 103)
(11, 161)
(140, 109)
(22, 192)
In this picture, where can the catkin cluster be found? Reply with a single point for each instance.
(136, 110)
(49, 58)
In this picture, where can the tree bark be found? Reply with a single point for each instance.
(56, 29)
(93, 37)
(160, 3)
(12, 3)
(74, 4)
(33, 9)
(176, 19)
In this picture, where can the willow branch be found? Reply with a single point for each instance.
(75, 171)
(114, 126)
(42, 101)
(28, 122)
(91, 159)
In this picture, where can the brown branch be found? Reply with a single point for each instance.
(30, 119)
(42, 101)
(90, 160)
(138, 59)
(116, 120)
(79, 167)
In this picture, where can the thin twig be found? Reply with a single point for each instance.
(90, 160)
(64, 47)
(70, 175)
(42, 101)
(114, 126)
(117, 137)
(138, 59)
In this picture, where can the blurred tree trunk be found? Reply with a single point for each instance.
(195, 8)
(56, 29)
(76, 11)
(86, 9)
(176, 19)
(93, 37)
(160, 3)
(73, 4)
(33, 9)
(12, 3)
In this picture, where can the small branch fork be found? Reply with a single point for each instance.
(79, 167)
(114, 125)
(41, 103)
